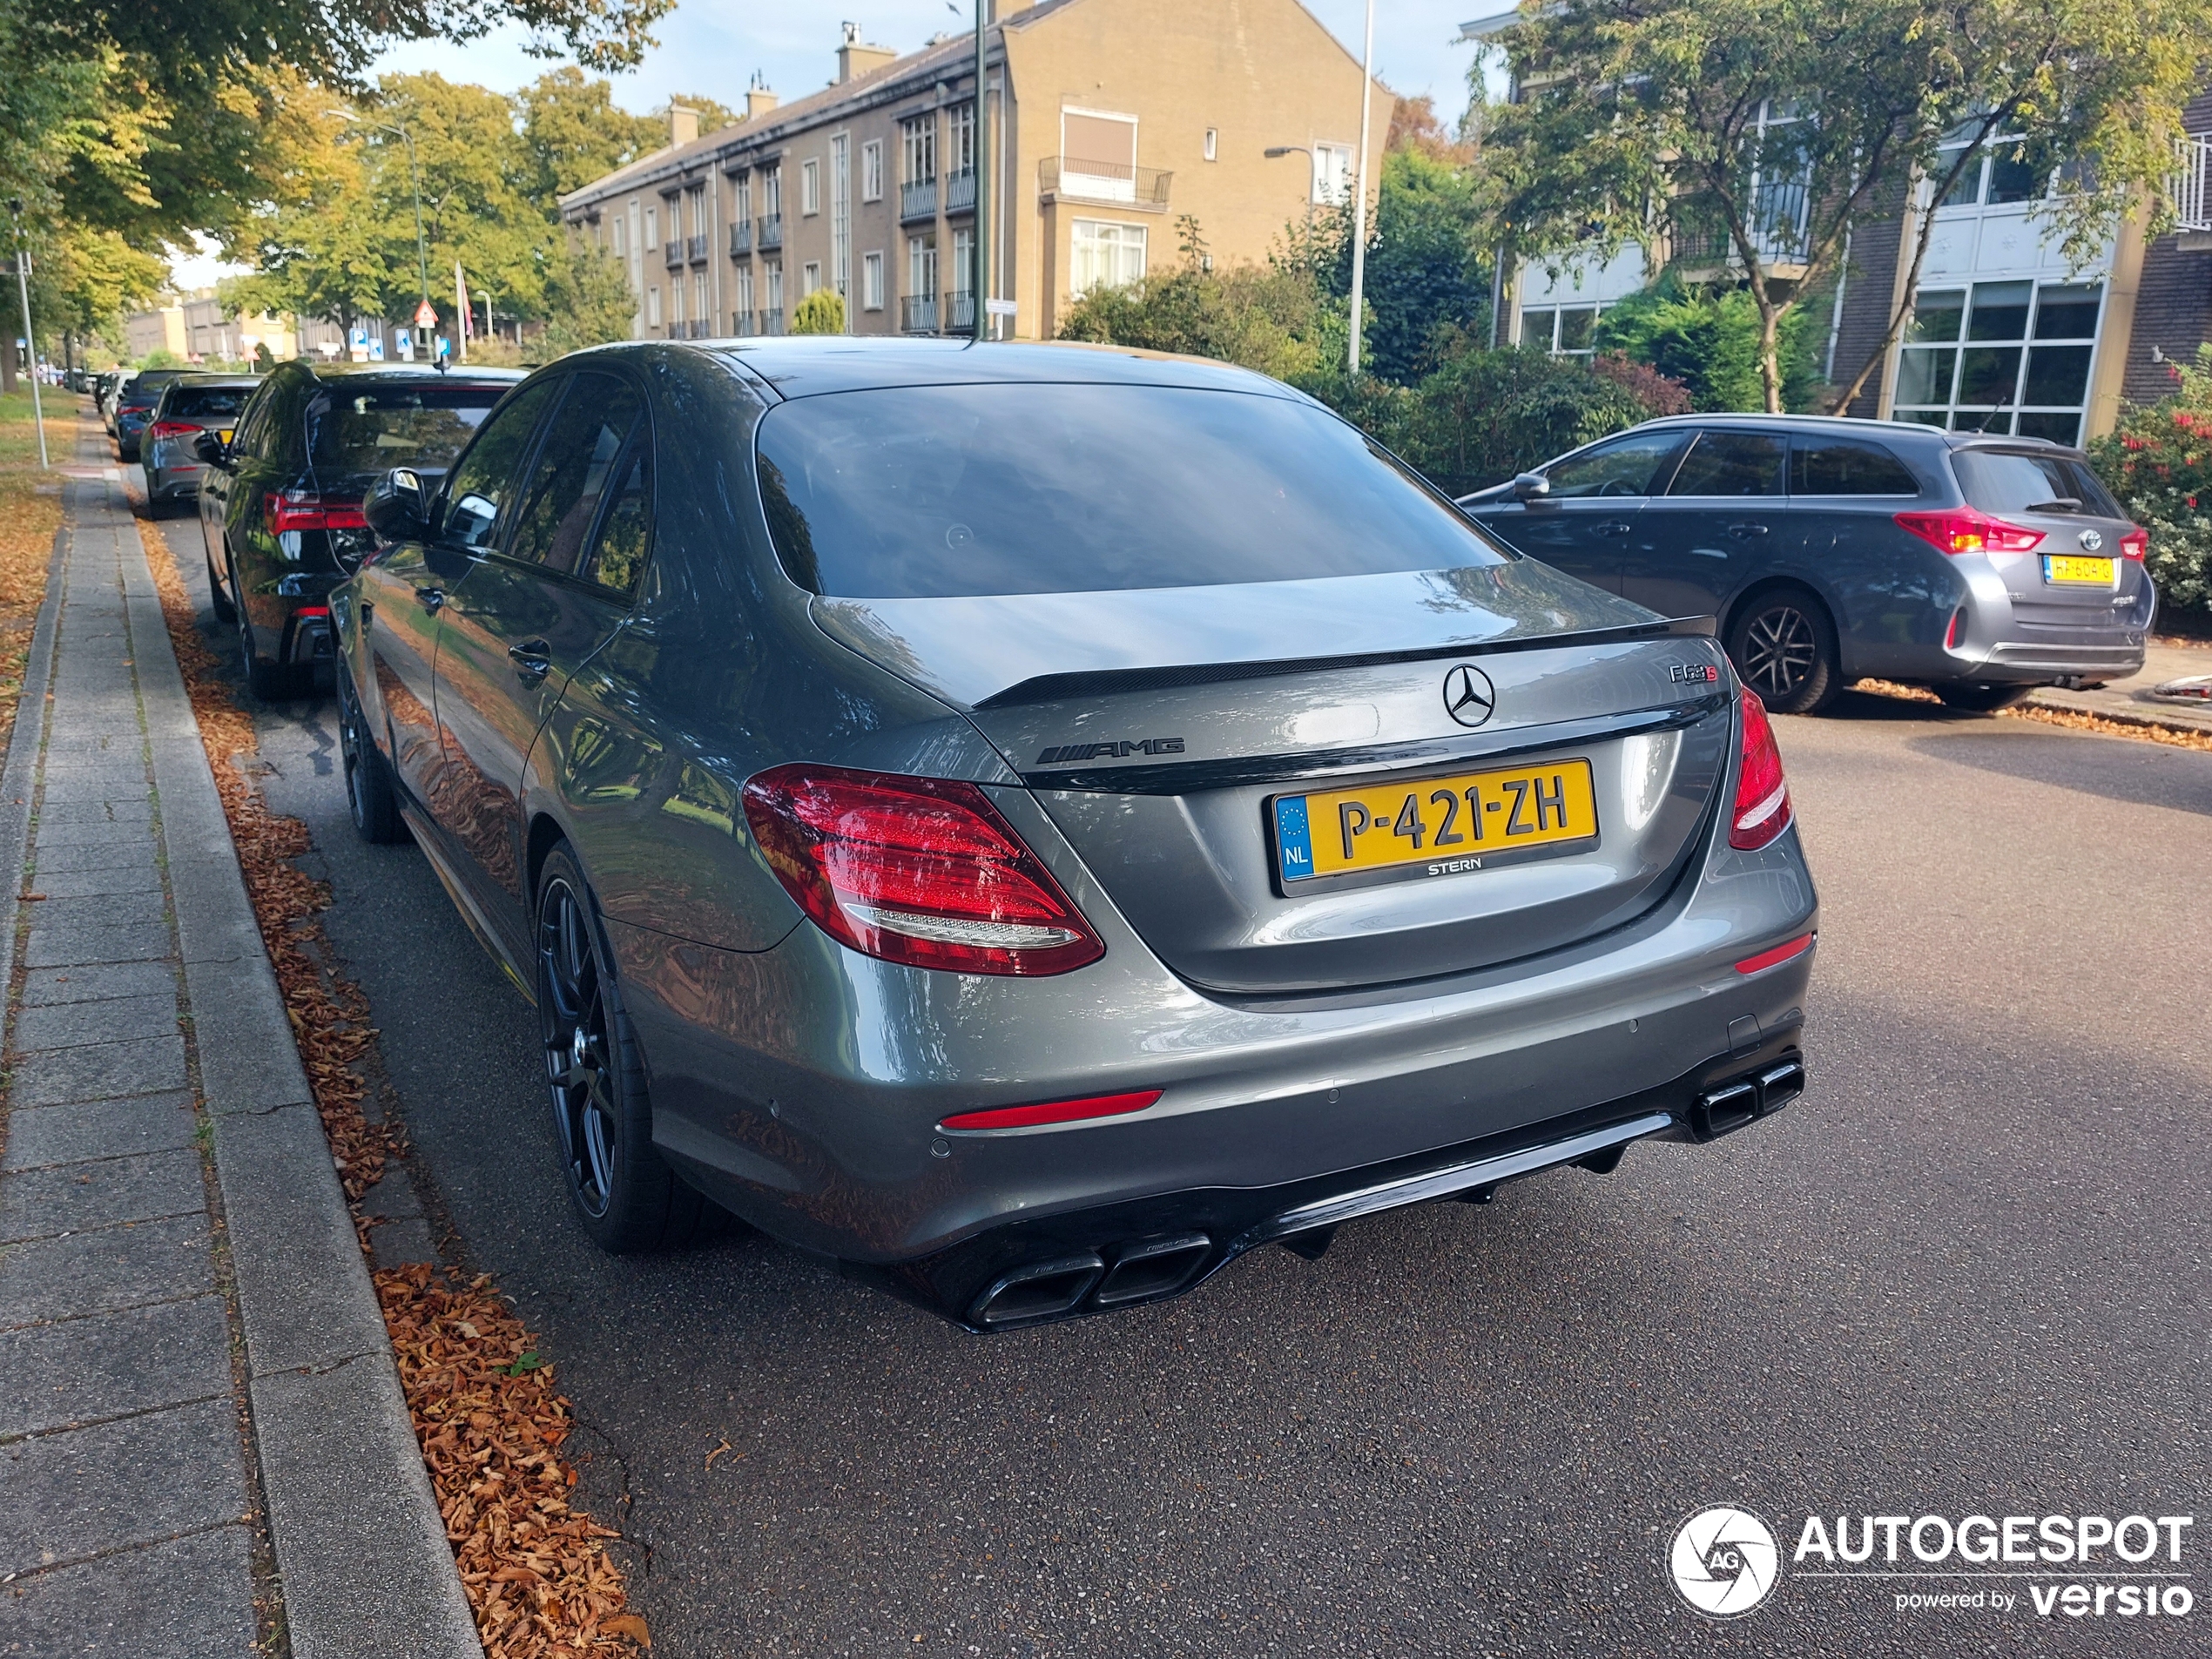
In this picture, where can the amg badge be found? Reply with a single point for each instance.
(1110, 751)
(1692, 673)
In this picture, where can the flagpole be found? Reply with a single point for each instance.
(1360, 197)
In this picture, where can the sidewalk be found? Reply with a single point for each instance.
(2130, 699)
(203, 1445)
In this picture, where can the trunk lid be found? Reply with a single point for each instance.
(1162, 729)
(2056, 496)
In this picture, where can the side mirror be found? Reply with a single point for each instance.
(396, 507)
(1531, 486)
(210, 449)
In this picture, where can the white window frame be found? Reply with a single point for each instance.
(809, 277)
(652, 307)
(741, 199)
(840, 264)
(1213, 144)
(872, 170)
(652, 228)
(1333, 167)
(772, 275)
(1092, 242)
(1096, 187)
(872, 280)
(809, 186)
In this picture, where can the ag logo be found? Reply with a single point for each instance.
(1724, 1562)
(2091, 540)
(1468, 695)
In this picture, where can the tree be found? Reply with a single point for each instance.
(1709, 341)
(572, 132)
(1767, 129)
(820, 312)
(588, 300)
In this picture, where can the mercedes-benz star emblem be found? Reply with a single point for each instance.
(2091, 540)
(1468, 695)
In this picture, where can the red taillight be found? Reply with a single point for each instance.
(2135, 543)
(1762, 809)
(161, 429)
(1058, 1111)
(1776, 957)
(1967, 530)
(297, 510)
(920, 870)
(309, 613)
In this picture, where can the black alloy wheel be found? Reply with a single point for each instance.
(1784, 647)
(623, 1190)
(370, 794)
(269, 682)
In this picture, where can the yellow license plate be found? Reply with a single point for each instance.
(1437, 825)
(224, 436)
(2070, 567)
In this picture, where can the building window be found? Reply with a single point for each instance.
(810, 187)
(741, 198)
(1213, 144)
(675, 302)
(700, 310)
(652, 227)
(772, 192)
(922, 284)
(959, 141)
(1331, 174)
(697, 196)
(841, 215)
(622, 246)
(1098, 155)
(872, 170)
(1995, 178)
(652, 307)
(2009, 357)
(773, 280)
(917, 150)
(871, 282)
(745, 300)
(1105, 255)
(1564, 331)
(809, 277)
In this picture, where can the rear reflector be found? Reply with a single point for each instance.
(1780, 953)
(920, 870)
(1762, 810)
(1058, 1111)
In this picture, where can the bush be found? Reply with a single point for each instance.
(820, 312)
(588, 300)
(2159, 463)
(1709, 341)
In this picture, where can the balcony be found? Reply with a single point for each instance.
(960, 192)
(768, 322)
(771, 232)
(1699, 241)
(917, 200)
(696, 247)
(2190, 191)
(920, 314)
(1071, 180)
(673, 252)
(741, 238)
(741, 323)
(959, 317)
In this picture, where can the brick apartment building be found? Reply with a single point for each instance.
(1108, 121)
(2005, 334)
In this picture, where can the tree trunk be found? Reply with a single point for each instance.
(1770, 353)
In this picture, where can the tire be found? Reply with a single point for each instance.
(371, 793)
(619, 1186)
(1981, 699)
(269, 682)
(1783, 645)
(218, 597)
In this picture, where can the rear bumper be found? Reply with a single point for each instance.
(2004, 639)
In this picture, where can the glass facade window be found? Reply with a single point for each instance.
(2010, 357)
(1104, 254)
(1564, 331)
(1998, 176)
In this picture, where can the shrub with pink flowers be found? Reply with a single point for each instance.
(2158, 461)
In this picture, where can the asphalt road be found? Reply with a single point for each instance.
(1965, 1275)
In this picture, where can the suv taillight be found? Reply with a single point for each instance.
(1762, 809)
(918, 871)
(161, 429)
(2135, 544)
(1968, 529)
(292, 509)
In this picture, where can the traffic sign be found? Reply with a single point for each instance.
(425, 316)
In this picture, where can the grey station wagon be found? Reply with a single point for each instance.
(1037, 822)
(1837, 549)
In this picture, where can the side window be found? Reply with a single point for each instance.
(575, 465)
(1630, 466)
(618, 558)
(486, 478)
(252, 427)
(1847, 467)
(1731, 463)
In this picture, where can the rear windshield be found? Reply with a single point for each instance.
(1997, 482)
(208, 400)
(374, 429)
(146, 387)
(939, 492)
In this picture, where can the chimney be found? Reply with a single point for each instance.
(855, 60)
(758, 100)
(683, 124)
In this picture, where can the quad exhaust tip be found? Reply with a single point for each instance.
(1720, 1111)
(1142, 1271)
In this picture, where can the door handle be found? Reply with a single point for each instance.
(1614, 527)
(431, 598)
(530, 659)
(1742, 531)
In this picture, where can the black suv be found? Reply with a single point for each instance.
(280, 504)
(1978, 565)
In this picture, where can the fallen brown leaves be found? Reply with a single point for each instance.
(489, 1422)
(2145, 731)
(30, 511)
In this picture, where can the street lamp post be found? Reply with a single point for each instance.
(30, 341)
(1360, 188)
(982, 283)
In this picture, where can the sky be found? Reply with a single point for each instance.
(711, 48)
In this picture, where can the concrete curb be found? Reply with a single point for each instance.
(360, 1548)
(19, 777)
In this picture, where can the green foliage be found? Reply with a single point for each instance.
(1709, 341)
(589, 300)
(2158, 461)
(572, 133)
(820, 312)
(162, 358)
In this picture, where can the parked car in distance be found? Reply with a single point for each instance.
(1037, 822)
(105, 393)
(1978, 565)
(134, 406)
(279, 502)
(188, 407)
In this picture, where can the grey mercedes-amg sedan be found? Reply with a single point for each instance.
(1036, 822)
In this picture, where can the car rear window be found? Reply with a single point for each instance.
(146, 389)
(2001, 481)
(374, 429)
(933, 492)
(207, 400)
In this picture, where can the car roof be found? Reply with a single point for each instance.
(400, 372)
(216, 380)
(809, 366)
(1865, 425)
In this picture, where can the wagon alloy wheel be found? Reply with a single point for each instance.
(573, 1013)
(1780, 648)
